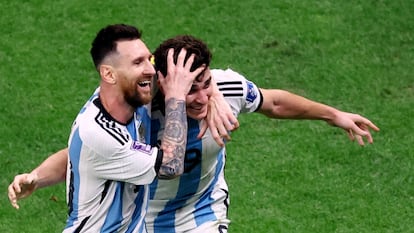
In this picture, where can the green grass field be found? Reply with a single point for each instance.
(284, 176)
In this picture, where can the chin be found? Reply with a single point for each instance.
(197, 115)
(146, 99)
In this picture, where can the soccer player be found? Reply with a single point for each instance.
(197, 201)
(110, 161)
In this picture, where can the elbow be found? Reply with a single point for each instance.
(172, 165)
(169, 173)
(171, 170)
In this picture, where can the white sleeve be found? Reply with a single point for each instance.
(104, 155)
(241, 94)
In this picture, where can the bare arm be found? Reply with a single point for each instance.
(285, 105)
(174, 139)
(176, 86)
(49, 172)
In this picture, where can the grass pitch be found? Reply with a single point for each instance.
(284, 176)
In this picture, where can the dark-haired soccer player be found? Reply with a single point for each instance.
(197, 201)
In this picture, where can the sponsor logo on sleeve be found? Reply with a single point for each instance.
(251, 92)
(141, 147)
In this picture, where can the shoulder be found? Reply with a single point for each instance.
(99, 131)
(226, 75)
(242, 94)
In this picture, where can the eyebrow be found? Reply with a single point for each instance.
(141, 58)
(200, 75)
(207, 81)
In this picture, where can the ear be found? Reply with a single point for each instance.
(107, 74)
(159, 86)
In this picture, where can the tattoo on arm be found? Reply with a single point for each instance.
(174, 139)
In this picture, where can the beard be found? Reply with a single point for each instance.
(137, 99)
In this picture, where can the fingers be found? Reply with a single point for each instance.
(371, 125)
(361, 131)
(360, 140)
(182, 63)
(215, 133)
(350, 135)
(217, 137)
(22, 186)
(232, 124)
(368, 135)
(12, 196)
(235, 123)
(181, 58)
(222, 131)
(203, 129)
(14, 190)
(170, 60)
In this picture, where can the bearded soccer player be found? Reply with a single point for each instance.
(197, 201)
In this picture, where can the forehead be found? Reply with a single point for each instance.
(132, 48)
(204, 76)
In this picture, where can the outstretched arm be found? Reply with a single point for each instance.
(285, 105)
(50, 172)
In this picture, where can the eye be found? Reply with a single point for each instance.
(207, 83)
(137, 61)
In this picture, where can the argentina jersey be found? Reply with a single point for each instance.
(109, 170)
(200, 196)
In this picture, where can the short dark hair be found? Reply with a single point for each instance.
(106, 39)
(190, 43)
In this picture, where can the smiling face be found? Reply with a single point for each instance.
(199, 95)
(133, 71)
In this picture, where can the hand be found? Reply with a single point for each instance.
(355, 125)
(22, 186)
(220, 122)
(179, 78)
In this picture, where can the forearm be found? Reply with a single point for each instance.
(52, 170)
(285, 105)
(174, 139)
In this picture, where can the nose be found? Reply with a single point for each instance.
(202, 96)
(149, 68)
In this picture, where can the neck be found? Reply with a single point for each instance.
(116, 106)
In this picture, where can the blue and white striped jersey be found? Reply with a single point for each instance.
(200, 195)
(109, 169)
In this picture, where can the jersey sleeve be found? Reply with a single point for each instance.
(241, 94)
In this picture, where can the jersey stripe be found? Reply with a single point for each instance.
(232, 94)
(73, 195)
(114, 216)
(110, 127)
(231, 89)
(205, 212)
(188, 184)
(228, 82)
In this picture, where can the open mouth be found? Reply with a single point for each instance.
(144, 83)
(197, 107)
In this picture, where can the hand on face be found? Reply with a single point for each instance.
(179, 78)
(220, 120)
